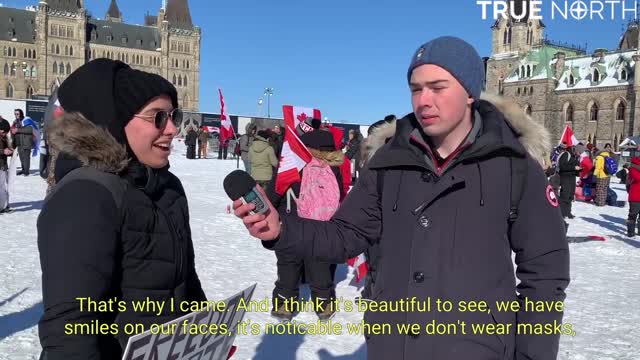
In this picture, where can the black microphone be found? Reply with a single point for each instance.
(240, 185)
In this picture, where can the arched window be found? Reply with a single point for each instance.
(571, 80)
(6, 69)
(179, 80)
(66, 50)
(620, 111)
(525, 91)
(13, 69)
(34, 72)
(14, 52)
(61, 68)
(518, 92)
(623, 75)
(25, 54)
(55, 67)
(531, 90)
(184, 81)
(9, 90)
(187, 64)
(528, 110)
(174, 79)
(71, 50)
(29, 92)
(594, 112)
(68, 68)
(568, 114)
(596, 75)
(57, 49)
(34, 54)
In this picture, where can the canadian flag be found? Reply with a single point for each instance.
(295, 156)
(360, 263)
(568, 137)
(226, 128)
(211, 129)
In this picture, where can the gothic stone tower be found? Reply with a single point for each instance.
(512, 39)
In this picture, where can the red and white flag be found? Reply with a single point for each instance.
(568, 137)
(295, 156)
(360, 263)
(211, 129)
(226, 128)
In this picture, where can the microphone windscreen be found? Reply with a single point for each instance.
(237, 184)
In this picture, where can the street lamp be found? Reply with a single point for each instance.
(268, 92)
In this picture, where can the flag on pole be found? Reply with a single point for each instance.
(226, 128)
(295, 155)
(360, 264)
(568, 137)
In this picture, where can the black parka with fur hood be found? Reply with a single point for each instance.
(444, 234)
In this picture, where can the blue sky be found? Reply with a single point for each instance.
(347, 58)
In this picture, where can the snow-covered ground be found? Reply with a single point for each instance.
(603, 299)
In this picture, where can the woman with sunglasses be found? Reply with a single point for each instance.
(116, 225)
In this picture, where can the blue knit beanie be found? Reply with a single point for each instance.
(456, 56)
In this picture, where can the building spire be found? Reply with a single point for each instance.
(114, 14)
(178, 14)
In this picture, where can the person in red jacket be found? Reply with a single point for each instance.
(634, 196)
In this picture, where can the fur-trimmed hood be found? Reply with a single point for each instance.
(92, 145)
(535, 138)
(333, 158)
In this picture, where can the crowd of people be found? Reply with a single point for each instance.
(202, 138)
(584, 173)
(422, 196)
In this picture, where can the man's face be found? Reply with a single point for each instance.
(151, 146)
(276, 129)
(17, 115)
(439, 102)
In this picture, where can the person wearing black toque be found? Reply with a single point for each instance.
(116, 225)
(318, 274)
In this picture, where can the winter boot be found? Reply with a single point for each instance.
(631, 229)
(282, 313)
(284, 310)
(325, 311)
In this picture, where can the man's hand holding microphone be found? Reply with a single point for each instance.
(251, 204)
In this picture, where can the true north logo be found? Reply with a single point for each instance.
(560, 9)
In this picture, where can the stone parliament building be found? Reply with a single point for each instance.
(44, 44)
(597, 94)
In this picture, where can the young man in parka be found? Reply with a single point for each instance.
(436, 198)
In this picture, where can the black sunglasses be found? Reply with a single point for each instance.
(161, 118)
